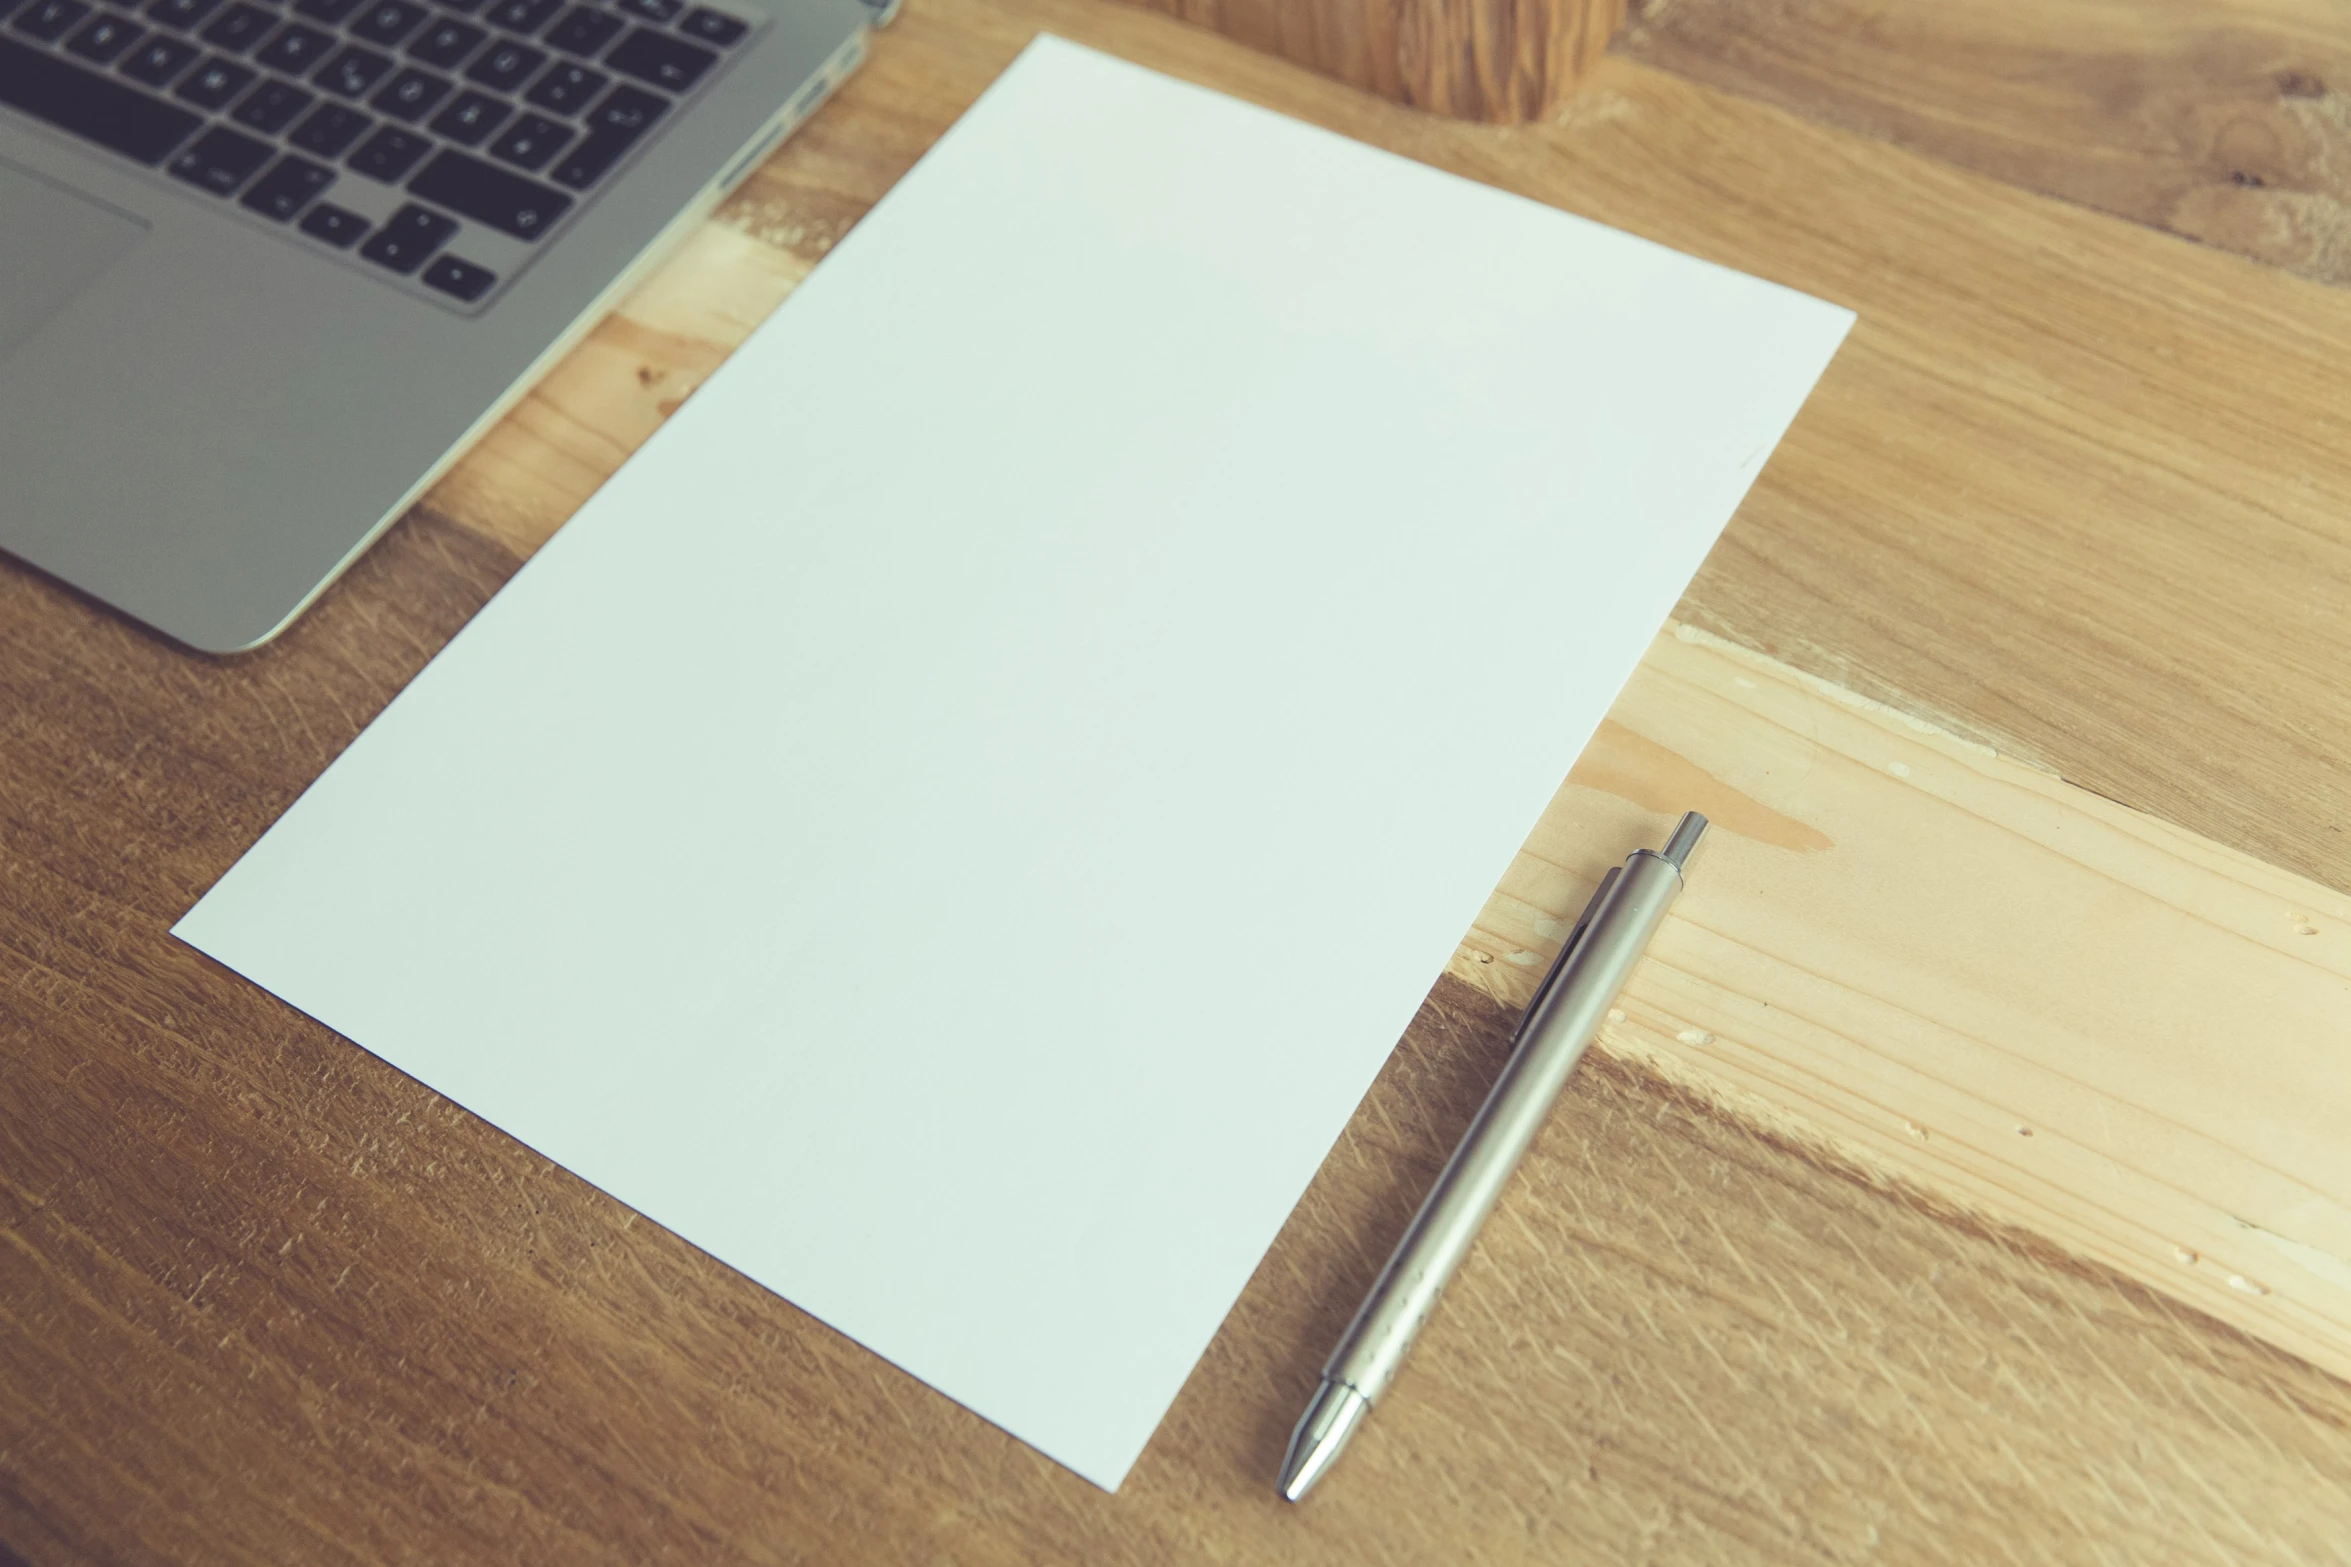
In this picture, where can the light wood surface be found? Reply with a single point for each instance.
(1964, 974)
(2226, 124)
(1504, 61)
(2073, 486)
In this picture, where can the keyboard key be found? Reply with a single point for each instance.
(505, 65)
(591, 160)
(521, 17)
(272, 106)
(623, 117)
(330, 130)
(238, 28)
(407, 237)
(353, 73)
(159, 59)
(660, 59)
(105, 38)
(713, 28)
(49, 20)
(296, 49)
(288, 187)
(182, 14)
(220, 160)
(530, 142)
(627, 109)
(214, 83)
(446, 43)
(566, 88)
(331, 223)
(389, 154)
(488, 194)
(461, 278)
(654, 10)
(585, 30)
(83, 103)
(328, 11)
(387, 22)
(473, 116)
(411, 94)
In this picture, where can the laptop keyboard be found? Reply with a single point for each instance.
(439, 143)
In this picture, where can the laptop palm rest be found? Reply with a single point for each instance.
(54, 245)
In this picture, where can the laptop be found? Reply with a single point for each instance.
(268, 267)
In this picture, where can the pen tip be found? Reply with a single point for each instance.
(1685, 838)
(1323, 1433)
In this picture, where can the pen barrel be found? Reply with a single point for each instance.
(1552, 1038)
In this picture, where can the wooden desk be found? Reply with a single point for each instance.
(2075, 488)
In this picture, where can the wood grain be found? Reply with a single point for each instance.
(1503, 61)
(2073, 486)
(1967, 975)
(263, 1299)
(2229, 124)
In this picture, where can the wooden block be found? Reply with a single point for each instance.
(1505, 61)
(1974, 979)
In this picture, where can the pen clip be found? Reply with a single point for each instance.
(1566, 950)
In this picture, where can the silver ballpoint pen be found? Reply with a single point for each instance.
(1583, 983)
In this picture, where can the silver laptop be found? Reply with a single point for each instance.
(268, 266)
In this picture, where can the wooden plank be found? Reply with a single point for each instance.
(1503, 61)
(2223, 121)
(1967, 975)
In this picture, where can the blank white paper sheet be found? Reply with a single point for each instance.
(955, 826)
